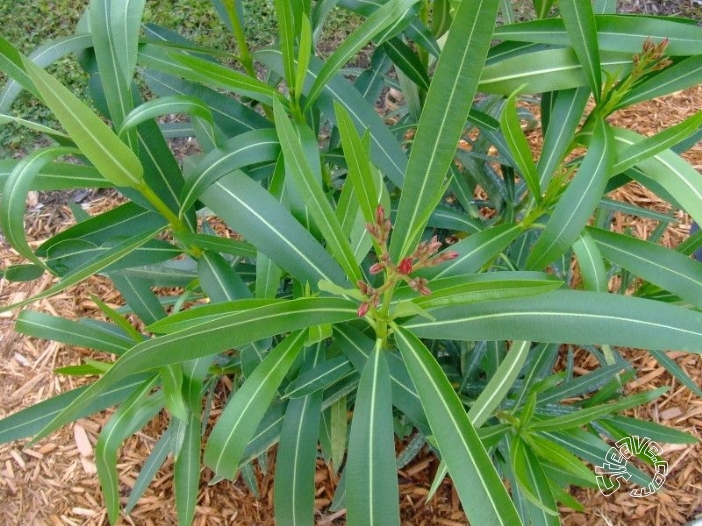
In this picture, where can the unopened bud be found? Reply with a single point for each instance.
(363, 287)
(405, 266)
(376, 268)
(379, 215)
(363, 309)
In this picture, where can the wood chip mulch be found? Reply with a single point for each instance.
(54, 482)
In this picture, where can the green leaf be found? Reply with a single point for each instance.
(500, 383)
(240, 418)
(668, 170)
(475, 251)
(286, 39)
(150, 468)
(666, 268)
(546, 70)
(578, 202)
(219, 280)
(579, 21)
(172, 378)
(592, 267)
(266, 224)
(313, 194)
(583, 417)
(167, 105)
(371, 472)
(12, 64)
(14, 195)
(22, 272)
(211, 337)
(626, 33)
(569, 317)
(44, 55)
(650, 146)
(407, 61)
(131, 416)
(109, 257)
(383, 18)
(445, 111)
(679, 76)
(208, 72)
(304, 54)
(532, 483)
(566, 114)
(294, 485)
(186, 476)
(675, 370)
(58, 176)
(45, 326)
(552, 453)
(652, 430)
(478, 485)
(518, 145)
(319, 377)
(481, 287)
(113, 159)
(386, 152)
(31, 420)
(357, 157)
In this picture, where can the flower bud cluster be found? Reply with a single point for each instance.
(425, 255)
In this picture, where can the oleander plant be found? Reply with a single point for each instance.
(371, 284)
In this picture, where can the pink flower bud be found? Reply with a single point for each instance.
(376, 268)
(405, 266)
(363, 287)
(379, 215)
(363, 309)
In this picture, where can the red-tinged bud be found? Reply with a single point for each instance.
(405, 266)
(363, 309)
(434, 245)
(363, 287)
(387, 226)
(372, 229)
(376, 268)
(424, 290)
(450, 255)
(379, 215)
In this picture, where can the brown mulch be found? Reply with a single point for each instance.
(54, 482)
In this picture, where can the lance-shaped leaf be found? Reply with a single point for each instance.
(545, 70)
(385, 150)
(650, 146)
(14, 195)
(565, 117)
(313, 194)
(294, 485)
(569, 316)
(474, 251)
(679, 76)
(91, 267)
(500, 383)
(592, 267)
(113, 159)
(381, 19)
(480, 488)
(666, 268)
(578, 202)
(131, 416)
(670, 171)
(443, 119)
(240, 418)
(49, 327)
(286, 35)
(208, 72)
(625, 33)
(518, 146)
(579, 20)
(187, 467)
(270, 227)
(208, 338)
(58, 176)
(371, 471)
(43, 56)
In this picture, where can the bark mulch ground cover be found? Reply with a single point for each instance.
(54, 482)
